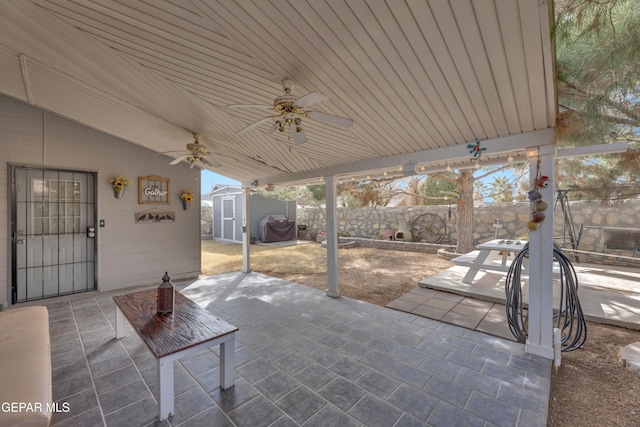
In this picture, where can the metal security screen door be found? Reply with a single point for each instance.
(228, 218)
(53, 233)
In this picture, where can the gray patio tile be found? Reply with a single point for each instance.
(349, 368)
(272, 351)
(353, 350)
(149, 374)
(115, 379)
(404, 304)
(383, 345)
(304, 345)
(315, 376)
(411, 375)
(62, 326)
(446, 415)
(522, 398)
(331, 416)
(243, 355)
(406, 339)
(506, 373)
(378, 384)
(212, 416)
(292, 363)
(440, 304)
(414, 402)
(332, 340)
(111, 364)
(359, 335)
(459, 343)
(531, 363)
(258, 412)
(134, 345)
(301, 404)
(276, 385)
(441, 367)
(284, 421)
(209, 380)
(90, 418)
(233, 397)
(140, 414)
(478, 381)
(493, 410)
(103, 348)
(425, 323)
(410, 421)
(342, 393)
(480, 337)
(379, 361)
(69, 371)
(97, 334)
(466, 359)
(78, 404)
(125, 395)
(372, 411)
(532, 419)
(201, 362)
(448, 391)
(462, 320)
(434, 349)
(70, 386)
(189, 404)
(491, 353)
(339, 327)
(65, 342)
(312, 331)
(63, 359)
(537, 383)
(256, 370)
(409, 355)
(325, 356)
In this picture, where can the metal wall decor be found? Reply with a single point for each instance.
(155, 215)
(153, 190)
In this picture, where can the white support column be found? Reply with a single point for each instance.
(540, 332)
(246, 231)
(332, 236)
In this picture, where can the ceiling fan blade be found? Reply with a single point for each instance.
(298, 137)
(179, 159)
(274, 127)
(192, 165)
(253, 125)
(310, 99)
(262, 107)
(330, 118)
(211, 162)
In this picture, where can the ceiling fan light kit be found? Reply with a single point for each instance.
(196, 153)
(291, 110)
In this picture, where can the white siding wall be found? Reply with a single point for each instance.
(129, 254)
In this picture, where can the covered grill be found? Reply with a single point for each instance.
(277, 228)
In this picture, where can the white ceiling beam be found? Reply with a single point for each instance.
(499, 145)
(592, 150)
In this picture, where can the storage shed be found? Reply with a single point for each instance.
(228, 207)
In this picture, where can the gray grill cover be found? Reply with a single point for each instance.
(277, 228)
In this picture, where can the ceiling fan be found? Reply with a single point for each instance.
(291, 110)
(196, 153)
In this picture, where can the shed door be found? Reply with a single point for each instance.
(228, 218)
(53, 233)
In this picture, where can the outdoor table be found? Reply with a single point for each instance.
(186, 331)
(490, 252)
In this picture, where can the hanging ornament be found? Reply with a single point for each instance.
(476, 150)
(539, 205)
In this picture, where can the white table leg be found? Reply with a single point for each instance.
(477, 265)
(165, 388)
(120, 323)
(227, 362)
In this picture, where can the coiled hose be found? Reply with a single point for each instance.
(568, 317)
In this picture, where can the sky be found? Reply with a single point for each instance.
(208, 179)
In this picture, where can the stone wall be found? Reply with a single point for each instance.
(373, 223)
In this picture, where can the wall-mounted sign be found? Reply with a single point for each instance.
(155, 215)
(153, 190)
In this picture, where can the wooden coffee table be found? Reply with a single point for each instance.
(187, 331)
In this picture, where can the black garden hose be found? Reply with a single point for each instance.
(568, 316)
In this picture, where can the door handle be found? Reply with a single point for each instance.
(91, 232)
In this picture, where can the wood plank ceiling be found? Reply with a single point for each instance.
(414, 75)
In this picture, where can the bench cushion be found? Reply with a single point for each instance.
(25, 366)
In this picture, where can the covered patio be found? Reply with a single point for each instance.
(302, 359)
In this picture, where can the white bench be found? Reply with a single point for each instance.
(25, 367)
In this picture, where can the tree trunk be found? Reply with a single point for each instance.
(465, 211)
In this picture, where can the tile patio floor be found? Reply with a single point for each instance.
(301, 359)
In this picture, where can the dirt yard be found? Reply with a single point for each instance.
(590, 389)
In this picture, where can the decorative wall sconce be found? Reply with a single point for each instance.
(119, 184)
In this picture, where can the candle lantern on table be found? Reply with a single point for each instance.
(166, 295)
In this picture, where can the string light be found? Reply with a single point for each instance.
(448, 167)
(510, 158)
(477, 165)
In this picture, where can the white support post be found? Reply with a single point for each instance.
(540, 332)
(246, 231)
(332, 236)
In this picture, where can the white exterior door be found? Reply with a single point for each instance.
(53, 233)
(228, 218)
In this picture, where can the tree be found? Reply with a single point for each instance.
(502, 189)
(438, 190)
(598, 86)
